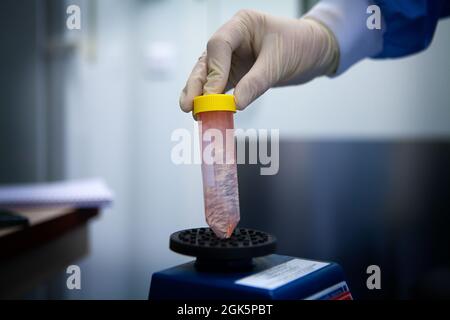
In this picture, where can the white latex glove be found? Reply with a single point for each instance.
(255, 51)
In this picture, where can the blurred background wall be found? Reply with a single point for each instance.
(103, 101)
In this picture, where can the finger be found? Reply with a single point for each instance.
(219, 52)
(194, 84)
(261, 76)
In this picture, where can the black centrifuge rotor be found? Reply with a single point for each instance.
(215, 254)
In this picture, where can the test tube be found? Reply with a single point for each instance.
(215, 114)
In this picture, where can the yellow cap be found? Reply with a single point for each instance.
(214, 102)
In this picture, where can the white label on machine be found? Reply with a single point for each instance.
(281, 274)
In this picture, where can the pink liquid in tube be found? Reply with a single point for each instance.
(219, 171)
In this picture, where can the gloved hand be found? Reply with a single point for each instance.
(255, 51)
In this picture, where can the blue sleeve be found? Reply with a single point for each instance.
(409, 25)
